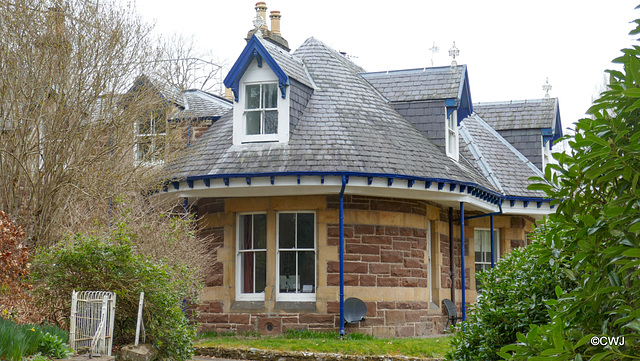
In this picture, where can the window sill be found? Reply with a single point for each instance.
(296, 306)
(243, 306)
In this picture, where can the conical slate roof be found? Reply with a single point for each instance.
(347, 126)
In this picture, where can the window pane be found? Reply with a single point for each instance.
(261, 271)
(270, 99)
(253, 97)
(144, 148)
(307, 269)
(259, 231)
(253, 122)
(244, 231)
(144, 125)
(478, 256)
(288, 277)
(160, 125)
(306, 230)
(158, 148)
(287, 228)
(271, 122)
(247, 263)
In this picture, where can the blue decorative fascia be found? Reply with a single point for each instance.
(463, 103)
(547, 135)
(254, 50)
(557, 128)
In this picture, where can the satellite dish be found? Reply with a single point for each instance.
(354, 310)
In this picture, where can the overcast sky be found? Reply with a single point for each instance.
(510, 47)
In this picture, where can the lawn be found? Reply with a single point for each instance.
(330, 342)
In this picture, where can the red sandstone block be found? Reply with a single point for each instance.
(370, 258)
(363, 249)
(401, 245)
(217, 318)
(391, 256)
(379, 268)
(414, 316)
(239, 318)
(400, 271)
(417, 232)
(391, 230)
(334, 307)
(374, 321)
(375, 239)
(409, 282)
(352, 257)
(363, 229)
(419, 273)
(371, 309)
(405, 231)
(314, 318)
(367, 280)
(380, 230)
(245, 328)
(387, 282)
(215, 307)
(412, 263)
(395, 317)
(417, 253)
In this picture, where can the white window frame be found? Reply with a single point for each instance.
(255, 75)
(154, 136)
(451, 130)
(241, 296)
(260, 109)
(486, 263)
(300, 296)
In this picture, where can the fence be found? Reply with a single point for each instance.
(91, 326)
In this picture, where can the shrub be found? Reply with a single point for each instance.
(91, 263)
(514, 297)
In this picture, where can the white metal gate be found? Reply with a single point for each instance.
(91, 326)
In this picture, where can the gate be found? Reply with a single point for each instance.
(91, 325)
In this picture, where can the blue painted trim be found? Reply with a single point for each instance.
(539, 204)
(493, 259)
(226, 181)
(341, 255)
(462, 188)
(427, 185)
(369, 180)
(248, 179)
(526, 204)
(463, 291)
(452, 187)
(389, 182)
(207, 182)
(176, 185)
(512, 203)
(190, 183)
(410, 183)
(321, 179)
(254, 50)
(440, 185)
(273, 180)
(298, 179)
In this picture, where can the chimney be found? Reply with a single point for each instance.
(275, 22)
(261, 7)
(228, 94)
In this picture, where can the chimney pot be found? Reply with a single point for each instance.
(275, 22)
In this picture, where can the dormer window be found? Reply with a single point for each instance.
(261, 109)
(452, 135)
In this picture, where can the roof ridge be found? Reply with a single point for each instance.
(508, 102)
(411, 71)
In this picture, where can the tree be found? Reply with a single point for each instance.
(597, 227)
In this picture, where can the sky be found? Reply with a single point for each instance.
(510, 47)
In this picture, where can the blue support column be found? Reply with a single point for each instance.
(493, 258)
(464, 298)
(341, 255)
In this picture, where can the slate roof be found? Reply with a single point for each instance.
(418, 84)
(523, 114)
(200, 104)
(503, 165)
(346, 126)
(290, 64)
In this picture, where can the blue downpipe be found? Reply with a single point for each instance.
(493, 263)
(341, 255)
(464, 298)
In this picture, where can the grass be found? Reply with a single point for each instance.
(330, 342)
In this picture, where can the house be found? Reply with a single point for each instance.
(326, 182)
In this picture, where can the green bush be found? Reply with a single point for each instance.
(514, 297)
(91, 263)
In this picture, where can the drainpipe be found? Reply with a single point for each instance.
(341, 251)
(452, 258)
(464, 298)
(493, 263)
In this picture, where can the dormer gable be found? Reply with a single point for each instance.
(260, 93)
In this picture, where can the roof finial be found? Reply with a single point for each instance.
(453, 52)
(434, 49)
(259, 22)
(546, 87)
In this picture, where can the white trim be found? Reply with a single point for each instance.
(452, 120)
(252, 76)
(298, 296)
(241, 296)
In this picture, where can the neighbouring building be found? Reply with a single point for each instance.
(316, 153)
